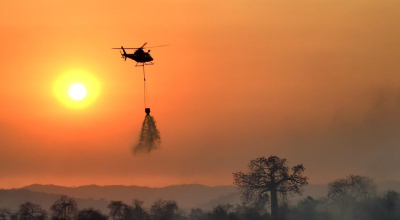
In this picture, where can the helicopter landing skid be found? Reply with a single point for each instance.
(143, 64)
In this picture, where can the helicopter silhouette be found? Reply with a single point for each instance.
(140, 56)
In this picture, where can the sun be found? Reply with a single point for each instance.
(77, 91)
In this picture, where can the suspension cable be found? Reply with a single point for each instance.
(144, 87)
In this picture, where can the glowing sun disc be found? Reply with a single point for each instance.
(77, 91)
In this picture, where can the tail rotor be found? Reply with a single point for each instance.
(122, 55)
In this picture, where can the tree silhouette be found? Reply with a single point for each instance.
(221, 212)
(91, 214)
(127, 213)
(30, 211)
(164, 209)
(5, 214)
(196, 214)
(65, 208)
(117, 210)
(344, 193)
(270, 175)
(122, 211)
(138, 211)
(353, 186)
(391, 205)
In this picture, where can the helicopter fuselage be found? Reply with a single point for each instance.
(140, 56)
(143, 58)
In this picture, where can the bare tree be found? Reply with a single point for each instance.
(30, 211)
(65, 208)
(164, 210)
(345, 192)
(139, 213)
(270, 175)
(355, 186)
(117, 209)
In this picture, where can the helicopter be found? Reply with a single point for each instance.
(140, 56)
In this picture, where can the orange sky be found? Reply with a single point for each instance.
(313, 81)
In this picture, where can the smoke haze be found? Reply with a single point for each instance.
(316, 82)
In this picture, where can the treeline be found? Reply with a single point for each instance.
(350, 198)
(265, 191)
(66, 208)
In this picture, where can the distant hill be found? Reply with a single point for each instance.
(187, 196)
(313, 190)
(12, 198)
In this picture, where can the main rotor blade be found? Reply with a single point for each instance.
(125, 48)
(157, 46)
(135, 48)
(143, 45)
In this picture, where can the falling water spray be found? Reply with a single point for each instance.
(149, 138)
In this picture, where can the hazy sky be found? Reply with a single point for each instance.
(316, 82)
